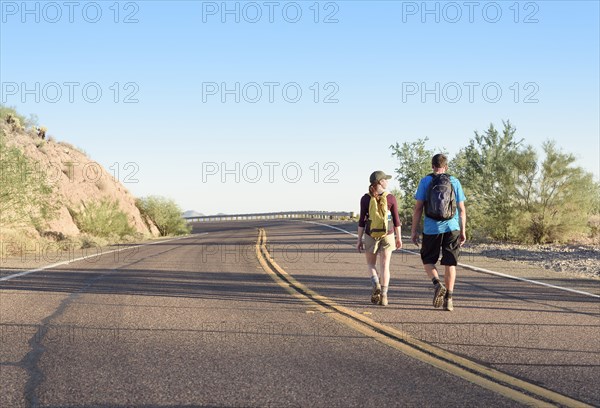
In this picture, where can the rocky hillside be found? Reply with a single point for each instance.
(76, 180)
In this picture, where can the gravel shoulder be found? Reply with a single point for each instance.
(579, 261)
(575, 268)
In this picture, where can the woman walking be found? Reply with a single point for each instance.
(379, 221)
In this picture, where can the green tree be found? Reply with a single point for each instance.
(165, 214)
(495, 171)
(414, 162)
(25, 193)
(562, 198)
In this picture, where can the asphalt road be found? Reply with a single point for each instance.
(198, 322)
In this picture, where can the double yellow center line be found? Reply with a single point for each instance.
(486, 377)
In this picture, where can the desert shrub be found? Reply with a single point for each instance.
(103, 219)
(164, 213)
(25, 193)
(10, 116)
(5, 111)
(69, 170)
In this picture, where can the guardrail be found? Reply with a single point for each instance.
(321, 215)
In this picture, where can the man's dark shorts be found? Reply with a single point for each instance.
(448, 242)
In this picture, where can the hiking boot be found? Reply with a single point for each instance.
(376, 294)
(448, 304)
(438, 295)
(384, 300)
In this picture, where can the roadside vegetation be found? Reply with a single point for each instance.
(513, 194)
(26, 197)
(29, 201)
(165, 214)
(103, 219)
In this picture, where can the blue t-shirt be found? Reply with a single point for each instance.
(431, 226)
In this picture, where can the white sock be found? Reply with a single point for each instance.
(375, 280)
(384, 290)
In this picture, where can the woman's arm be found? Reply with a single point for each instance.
(364, 208)
(396, 221)
(359, 243)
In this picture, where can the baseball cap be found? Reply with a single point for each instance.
(378, 175)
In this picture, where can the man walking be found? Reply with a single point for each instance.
(442, 198)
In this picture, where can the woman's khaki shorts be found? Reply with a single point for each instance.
(372, 245)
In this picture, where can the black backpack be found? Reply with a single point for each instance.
(440, 202)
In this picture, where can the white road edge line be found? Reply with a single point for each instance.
(54, 265)
(476, 268)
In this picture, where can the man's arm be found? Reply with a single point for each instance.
(416, 219)
(462, 215)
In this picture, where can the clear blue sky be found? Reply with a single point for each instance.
(372, 59)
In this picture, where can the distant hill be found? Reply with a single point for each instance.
(192, 213)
